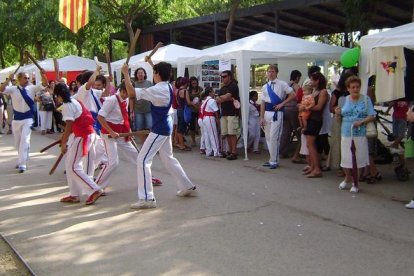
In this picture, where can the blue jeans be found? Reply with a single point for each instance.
(143, 121)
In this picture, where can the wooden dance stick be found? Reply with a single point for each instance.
(133, 44)
(33, 60)
(148, 58)
(129, 134)
(50, 146)
(17, 69)
(108, 61)
(134, 144)
(56, 65)
(52, 170)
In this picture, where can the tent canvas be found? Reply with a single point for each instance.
(260, 48)
(398, 36)
(169, 53)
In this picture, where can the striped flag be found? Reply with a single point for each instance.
(74, 14)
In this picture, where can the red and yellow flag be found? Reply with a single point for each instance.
(74, 14)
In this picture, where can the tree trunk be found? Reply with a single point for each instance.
(232, 16)
(39, 50)
(2, 61)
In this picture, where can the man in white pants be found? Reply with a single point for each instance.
(113, 117)
(22, 96)
(271, 112)
(159, 140)
(91, 93)
(79, 121)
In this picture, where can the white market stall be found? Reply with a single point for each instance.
(398, 36)
(289, 53)
(169, 53)
(4, 73)
(70, 66)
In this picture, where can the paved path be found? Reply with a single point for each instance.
(248, 220)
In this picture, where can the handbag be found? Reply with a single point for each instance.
(48, 107)
(371, 130)
(187, 114)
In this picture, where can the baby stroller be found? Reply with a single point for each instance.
(386, 155)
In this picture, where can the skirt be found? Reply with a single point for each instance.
(362, 156)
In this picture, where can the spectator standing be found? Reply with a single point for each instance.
(46, 107)
(229, 122)
(314, 124)
(356, 112)
(254, 122)
(290, 118)
(142, 108)
(195, 98)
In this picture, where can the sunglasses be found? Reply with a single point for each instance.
(223, 77)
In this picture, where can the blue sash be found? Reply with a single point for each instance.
(96, 125)
(18, 116)
(275, 100)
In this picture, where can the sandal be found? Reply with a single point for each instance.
(370, 180)
(378, 176)
(231, 156)
(364, 178)
(325, 168)
(340, 173)
(185, 149)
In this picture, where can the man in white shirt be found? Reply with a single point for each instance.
(22, 96)
(92, 93)
(159, 140)
(275, 95)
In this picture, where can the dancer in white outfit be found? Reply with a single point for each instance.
(159, 139)
(210, 123)
(22, 96)
(79, 121)
(92, 93)
(113, 117)
(271, 112)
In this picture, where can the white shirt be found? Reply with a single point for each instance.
(210, 105)
(71, 111)
(86, 98)
(281, 89)
(253, 112)
(158, 95)
(18, 102)
(388, 64)
(111, 110)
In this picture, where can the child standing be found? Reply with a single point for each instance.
(254, 122)
(210, 123)
(308, 102)
(200, 124)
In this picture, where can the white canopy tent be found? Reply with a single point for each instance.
(4, 73)
(169, 53)
(398, 36)
(289, 53)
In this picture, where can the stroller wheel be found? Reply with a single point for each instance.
(402, 173)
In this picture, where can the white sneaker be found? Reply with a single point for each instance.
(410, 205)
(144, 204)
(342, 185)
(354, 189)
(190, 192)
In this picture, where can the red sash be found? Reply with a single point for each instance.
(204, 113)
(83, 126)
(120, 128)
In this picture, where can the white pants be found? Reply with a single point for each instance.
(10, 113)
(79, 182)
(202, 136)
(126, 149)
(254, 133)
(45, 119)
(95, 157)
(273, 131)
(211, 135)
(22, 133)
(162, 144)
(1, 118)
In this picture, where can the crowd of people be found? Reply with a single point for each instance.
(330, 127)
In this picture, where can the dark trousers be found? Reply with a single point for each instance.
(290, 124)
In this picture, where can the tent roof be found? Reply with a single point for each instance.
(398, 36)
(268, 45)
(67, 64)
(169, 53)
